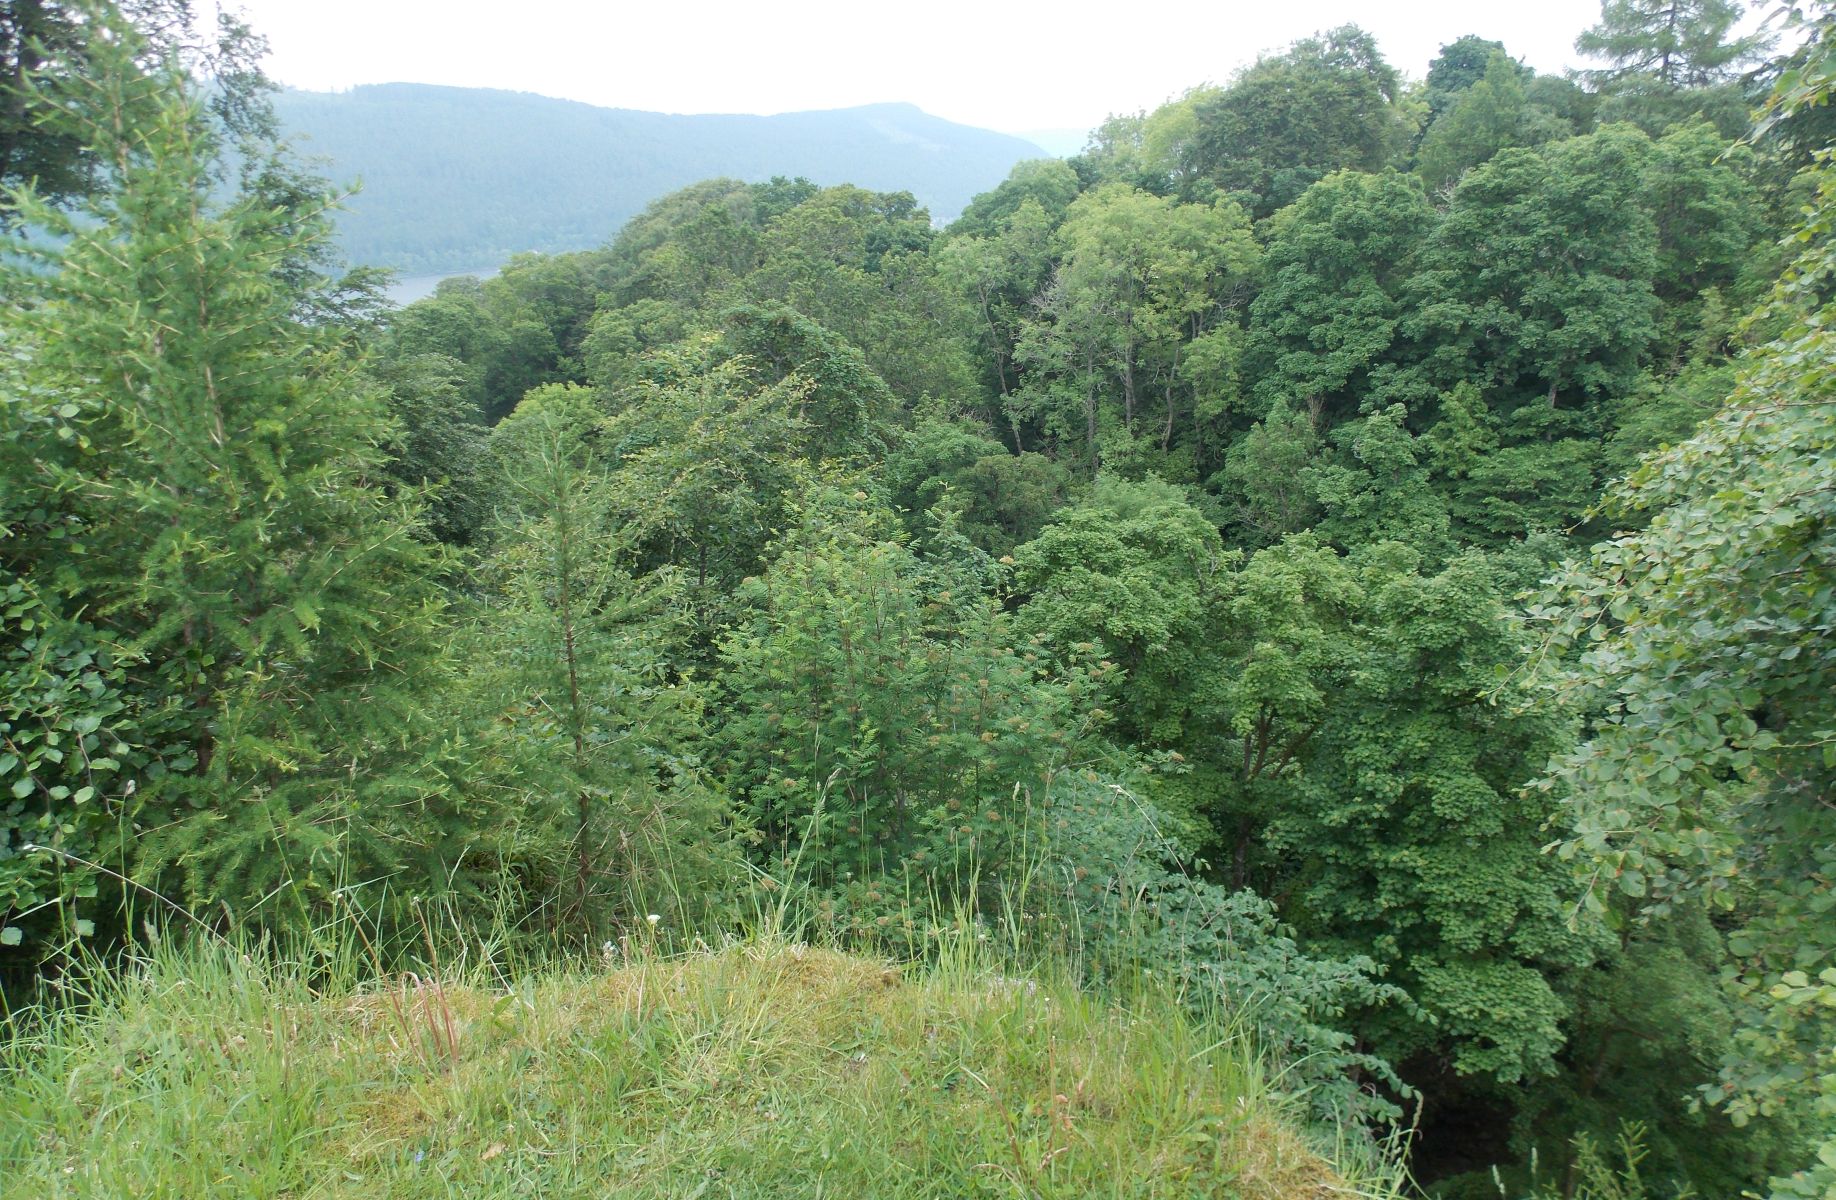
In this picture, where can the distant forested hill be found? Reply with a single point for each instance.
(460, 178)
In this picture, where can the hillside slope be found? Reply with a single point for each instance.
(461, 178)
(752, 1071)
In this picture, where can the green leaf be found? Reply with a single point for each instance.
(12, 935)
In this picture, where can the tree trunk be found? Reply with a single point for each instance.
(1128, 392)
(570, 657)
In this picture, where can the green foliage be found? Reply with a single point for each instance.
(697, 240)
(1001, 501)
(1000, 273)
(1496, 493)
(1461, 64)
(885, 726)
(857, 263)
(439, 441)
(235, 545)
(611, 353)
(1140, 910)
(1117, 152)
(1047, 182)
(949, 468)
(1143, 282)
(706, 461)
(1264, 474)
(1135, 566)
(1327, 104)
(1375, 488)
(519, 329)
(1672, 60)
(1709, 221)
(1597, 1172)
(46, 42)
(1332, 715)
(843, 408)
(597, 736)
(1664, 414)
(1795, 123)
(1701, 648)
(48, 48)
(742, 496)
(1323, 326)
(1492, 113)
(66, 770)
(65, 708)
(1651, 1020)
(1707, 213)
(796, 276)
(1540, 277)
(939, 446)
(1404, 826)
(1667, 44)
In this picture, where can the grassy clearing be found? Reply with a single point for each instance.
(758, 1070)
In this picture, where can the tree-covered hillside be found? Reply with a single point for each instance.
(1352, 558)
(462, 178)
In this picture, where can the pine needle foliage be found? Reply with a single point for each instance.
(275, 599)
(597, 734)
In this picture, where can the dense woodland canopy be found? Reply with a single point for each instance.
(1363, 546)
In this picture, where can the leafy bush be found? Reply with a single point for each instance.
(1124, 885)
(882, 720)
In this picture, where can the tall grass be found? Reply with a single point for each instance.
(449, 1056)
(763, 1067)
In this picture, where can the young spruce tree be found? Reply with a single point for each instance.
(596, 733)
(239, 550)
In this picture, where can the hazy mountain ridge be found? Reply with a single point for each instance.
(459, 178)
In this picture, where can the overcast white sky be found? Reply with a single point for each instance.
(1013, 66)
